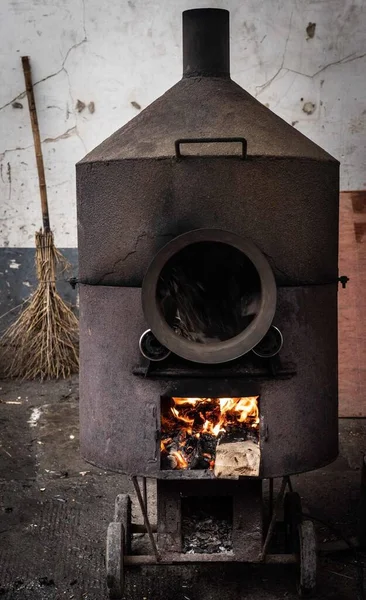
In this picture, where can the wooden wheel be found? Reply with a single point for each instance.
(114, 560)
(122, 514)
(308, 559)
(301, 540)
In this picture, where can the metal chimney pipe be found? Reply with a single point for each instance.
(206, 46)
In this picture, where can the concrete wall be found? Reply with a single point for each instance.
(117, 57)
(95, 65)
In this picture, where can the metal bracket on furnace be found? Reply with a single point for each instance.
(343, 279)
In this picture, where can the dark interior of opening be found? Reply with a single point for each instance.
(207, 524)
(209, 292)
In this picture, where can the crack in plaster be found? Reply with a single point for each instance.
(81, 139)
(62, 69)
(8, 173)
(77, 132)
(62, 136)
(59, 183)
(261, 88)
(3, 154)
(84, 26)
(73, 47)
(341, 61)
(68, 133)
(142, 235)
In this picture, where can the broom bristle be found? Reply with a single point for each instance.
(43, 341)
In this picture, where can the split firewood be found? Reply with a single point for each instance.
(235, 459)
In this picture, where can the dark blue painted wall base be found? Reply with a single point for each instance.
(18, 280)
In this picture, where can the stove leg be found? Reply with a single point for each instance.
(270, 498)
(144, 492)
(272, 524)
(146, 518)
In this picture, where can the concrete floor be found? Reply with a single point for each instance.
(55, 508)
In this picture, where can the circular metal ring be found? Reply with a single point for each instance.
(216, 352)
(151, 348)
(270, 345)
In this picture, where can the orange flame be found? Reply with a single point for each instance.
(192, 401)
(164, 444)
(212, 416)
(182, 417)
(243, 410)
(181, 461)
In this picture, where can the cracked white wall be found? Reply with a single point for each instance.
(121, 55)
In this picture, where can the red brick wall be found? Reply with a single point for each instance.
(352, 305)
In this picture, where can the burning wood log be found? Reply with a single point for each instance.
(211, 433)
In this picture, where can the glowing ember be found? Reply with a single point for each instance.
(191, 428)
(181, 461)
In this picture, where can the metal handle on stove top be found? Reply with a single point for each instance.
(226, 140)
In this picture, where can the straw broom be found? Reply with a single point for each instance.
(43, 341)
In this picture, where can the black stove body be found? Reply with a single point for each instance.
(207, 161)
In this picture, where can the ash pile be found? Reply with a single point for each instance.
(207, 525)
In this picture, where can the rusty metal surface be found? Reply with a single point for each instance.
(247, 519)
(212, 141)
(134, 195)
(205, 107)
(237, 370)
(127, 211)
(120, 413)
(206, 50)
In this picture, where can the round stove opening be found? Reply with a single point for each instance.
(209, 296)
(209, 292)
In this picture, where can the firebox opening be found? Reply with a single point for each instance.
(209, 292)
(214, 434)
(207, 523)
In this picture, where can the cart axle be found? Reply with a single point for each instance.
(181, 558)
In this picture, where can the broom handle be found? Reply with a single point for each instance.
(37, 142)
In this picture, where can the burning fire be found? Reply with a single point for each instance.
(193, 425)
